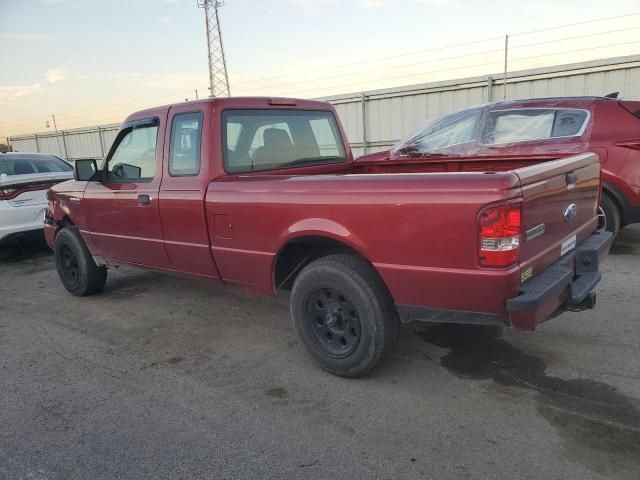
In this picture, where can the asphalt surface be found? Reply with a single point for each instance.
(167, 378)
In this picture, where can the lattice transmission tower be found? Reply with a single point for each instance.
(218, 78)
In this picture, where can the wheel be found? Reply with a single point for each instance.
(78, 272)
(344, 315)
(608, 215)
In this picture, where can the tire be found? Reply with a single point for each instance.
(77, 271)
(344, 315)
(608, 215)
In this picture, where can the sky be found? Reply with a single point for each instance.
(91, 62)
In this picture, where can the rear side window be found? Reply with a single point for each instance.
(255, 140)
(184, 151)
(30, 164)
(509, 126)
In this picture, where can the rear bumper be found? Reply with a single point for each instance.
(568, 284)
(17, 221)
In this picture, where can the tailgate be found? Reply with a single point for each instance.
(559, 209)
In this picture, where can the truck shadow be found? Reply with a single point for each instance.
(586, 413)
(627, 242)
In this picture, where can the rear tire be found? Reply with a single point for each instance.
(344, 315)
(608, 215)
(77, 271)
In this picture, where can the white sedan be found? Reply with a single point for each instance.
(24, 181)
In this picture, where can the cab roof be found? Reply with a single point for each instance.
(237, 102)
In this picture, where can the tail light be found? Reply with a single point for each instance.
(499, 231)
(8, 193)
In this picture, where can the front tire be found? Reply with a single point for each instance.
(344, 315)
(77, 271)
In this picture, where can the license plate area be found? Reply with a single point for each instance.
(568, 245)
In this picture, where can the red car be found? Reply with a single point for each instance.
(529, 131)
(264, 194)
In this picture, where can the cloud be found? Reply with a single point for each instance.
(310, 7)
(18, 91)
(373, 3)
(438, 3)
(23, 37)
(56, 74)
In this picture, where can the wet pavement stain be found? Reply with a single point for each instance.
(277, 392)
(600, 426)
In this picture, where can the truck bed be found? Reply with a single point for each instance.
(419, 229)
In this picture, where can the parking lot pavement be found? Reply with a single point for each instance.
(161, 377)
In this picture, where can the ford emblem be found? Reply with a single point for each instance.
(570, 212)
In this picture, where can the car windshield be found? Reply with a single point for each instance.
(30, 164)
(437, 137)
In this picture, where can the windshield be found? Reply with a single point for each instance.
(437, 136)
(11, 164)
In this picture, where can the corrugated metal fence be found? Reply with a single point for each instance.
(74, 144)
(389, 115)
(376, 119)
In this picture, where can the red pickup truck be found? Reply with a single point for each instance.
(264, 194)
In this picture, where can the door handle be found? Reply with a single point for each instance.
(143, 199)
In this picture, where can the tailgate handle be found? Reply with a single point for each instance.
(571, 178)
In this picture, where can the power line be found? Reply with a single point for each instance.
(373, 60)
(448, 58)
(596, 20)
(464, 67)
(435, 60)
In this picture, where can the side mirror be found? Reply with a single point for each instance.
(85, 170)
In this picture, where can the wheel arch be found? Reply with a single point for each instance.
(304, 247)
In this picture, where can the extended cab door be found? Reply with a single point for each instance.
(122, 210)
(187, 169)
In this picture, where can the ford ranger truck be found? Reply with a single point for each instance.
(263, 193)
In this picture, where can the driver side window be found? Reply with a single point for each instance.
(135, 156)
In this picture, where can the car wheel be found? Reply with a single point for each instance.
(344, 315)
(78, 272)
(608, 215)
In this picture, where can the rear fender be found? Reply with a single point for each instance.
(323, 227)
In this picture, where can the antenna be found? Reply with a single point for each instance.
(218, 78)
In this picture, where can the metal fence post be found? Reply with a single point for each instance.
(101, 138)
(506, 52)
(35, 135)
(64, 144)
(364, 123)
(489, 88)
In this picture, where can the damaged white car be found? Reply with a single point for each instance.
(24, 181)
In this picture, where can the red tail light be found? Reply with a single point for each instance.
(10, 192)
(499, 235)
(7, 193)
